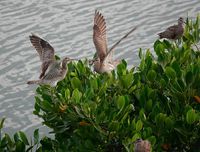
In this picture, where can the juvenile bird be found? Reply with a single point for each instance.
(104, 61)
(173, 32)
(52, 71)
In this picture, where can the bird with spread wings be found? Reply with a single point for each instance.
(52, 71)
(104, 61)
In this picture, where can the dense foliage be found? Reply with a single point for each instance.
(159, 101)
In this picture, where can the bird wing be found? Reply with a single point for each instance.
(44, 67)
(44, 49)
(99, 35)
(172, 28)
(169, 32)
(110, 52)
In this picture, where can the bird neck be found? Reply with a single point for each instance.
(97, 65)
(180, 23)
(64, 65)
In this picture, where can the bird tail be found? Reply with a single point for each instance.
(34, 82)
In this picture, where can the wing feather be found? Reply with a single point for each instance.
(99, 35)
(45, 51)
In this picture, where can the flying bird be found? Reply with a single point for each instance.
(104, 61)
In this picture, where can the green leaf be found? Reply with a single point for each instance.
(57, 57)
(133, 124)
(140, 53)
(169, 122)
(189, 77)
(191, 116)
(76, 83)
(37, 101)
(76, 95)
(142, 114)
(120, 102)
(121, 69)
(151, 76)
(81, 67)
(163, 83)
(152, 140)
(170, 72)
(114, 126)
(10, 142)
(139, 125)
(1, 123)
(46, 97)
(46, 106)
(94, 84)
(20, 136)
(160, 119)
(20, 146)
(36, 136)
(158, 47)
(67, 93)
(136, 136)
(167, 44)
(176, 66)
(3, 142)
(149, 105)
(127, 80)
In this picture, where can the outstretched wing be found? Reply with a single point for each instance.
(45, 51)
(109, 53)
(99, 35)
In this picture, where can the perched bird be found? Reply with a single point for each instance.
(173, 32)
(52, 71)
(142, 146)
(104, 61)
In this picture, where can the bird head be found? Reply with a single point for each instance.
(180, 20)
(91, 62)
(66, 60)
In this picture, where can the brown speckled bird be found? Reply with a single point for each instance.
(173, 32)
(104, 61)
(52, 71)
(142, 146)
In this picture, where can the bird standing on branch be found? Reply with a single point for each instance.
(104, 61)
(52, 71)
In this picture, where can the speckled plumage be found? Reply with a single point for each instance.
(142, 146)
(52, 71)
(173, 32)
(45, 52)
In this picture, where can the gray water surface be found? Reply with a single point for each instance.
(67, 25)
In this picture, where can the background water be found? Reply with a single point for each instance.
(67, 25)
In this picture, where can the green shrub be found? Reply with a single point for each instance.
(108, 112)
(19, 142)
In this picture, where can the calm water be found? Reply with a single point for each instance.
(67, 25)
